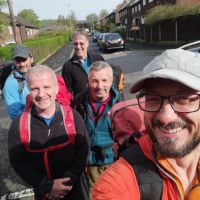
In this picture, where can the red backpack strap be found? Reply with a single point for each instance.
(69, 122)
(24, 129)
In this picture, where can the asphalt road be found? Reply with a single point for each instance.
(132, 60)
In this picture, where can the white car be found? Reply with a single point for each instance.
(193, 46)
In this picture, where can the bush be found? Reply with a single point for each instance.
(162, 12)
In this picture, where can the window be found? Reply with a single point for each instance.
(151, 1)
(144, 2)
(139, 7)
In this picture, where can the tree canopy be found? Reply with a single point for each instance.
(103, 13)
(29, 15)
(92, 18)
(3, 3)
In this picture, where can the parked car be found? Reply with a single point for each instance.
(111, 41)
(193, 46)
(99, 39)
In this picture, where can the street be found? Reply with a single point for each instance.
(132, 61)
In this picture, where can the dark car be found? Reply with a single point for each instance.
(111, 41)
(95, 36)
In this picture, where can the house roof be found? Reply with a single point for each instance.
(21, 21)
(5, 19)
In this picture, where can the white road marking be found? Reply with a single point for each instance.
(17, 195)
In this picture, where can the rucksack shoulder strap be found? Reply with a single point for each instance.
(24, 128)
(69, 122)
(149, 179)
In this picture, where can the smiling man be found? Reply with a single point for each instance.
(94, 106)
(165, 163)
(75, 70)
(15, 89)
(48, 145)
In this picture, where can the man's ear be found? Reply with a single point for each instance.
(31, 58)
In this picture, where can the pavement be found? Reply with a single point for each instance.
(9, 181)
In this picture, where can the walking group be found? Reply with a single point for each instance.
(61, 139)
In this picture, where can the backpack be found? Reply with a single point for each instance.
(126, 119)
(5, 71)
(118, 78)
(64, 98)
(149, 180)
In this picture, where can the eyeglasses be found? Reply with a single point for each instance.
(179, 103)
(76, 43)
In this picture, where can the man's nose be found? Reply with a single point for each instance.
(40, 92)
(99, 84)
(22, 63)
(166, 113)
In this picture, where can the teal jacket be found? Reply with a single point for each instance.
(100, 133)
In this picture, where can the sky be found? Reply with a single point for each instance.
(51, 9)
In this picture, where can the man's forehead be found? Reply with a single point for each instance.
(80, 37)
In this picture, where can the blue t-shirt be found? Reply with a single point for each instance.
(86, 64)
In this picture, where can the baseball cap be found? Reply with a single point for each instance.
(21, 50)
(179, 65)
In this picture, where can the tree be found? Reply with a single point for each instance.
(61, 20)
(29, 15)
(3, 3)
(103, 13)
(91, 19)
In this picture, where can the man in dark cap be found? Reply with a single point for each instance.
(15, 89)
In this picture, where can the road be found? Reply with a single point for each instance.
(132, 61)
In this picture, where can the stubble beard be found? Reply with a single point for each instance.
(167, 148)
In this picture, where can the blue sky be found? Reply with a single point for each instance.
(51, 9)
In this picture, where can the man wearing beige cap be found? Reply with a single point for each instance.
(15, 89)
(164, 164)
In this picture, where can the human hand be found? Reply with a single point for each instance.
(59, 189)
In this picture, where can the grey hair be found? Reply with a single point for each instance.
(98, 65)
(40, 69)
(81, 33)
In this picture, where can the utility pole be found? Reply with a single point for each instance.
(13, 21)
(70, 20)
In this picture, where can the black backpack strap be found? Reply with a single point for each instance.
(20, 80)
(149, 179)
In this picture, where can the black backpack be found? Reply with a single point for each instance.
(148, 177)
(5, 71)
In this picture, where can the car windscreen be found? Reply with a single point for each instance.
(112, 37)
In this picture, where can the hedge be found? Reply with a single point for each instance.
(41, 47)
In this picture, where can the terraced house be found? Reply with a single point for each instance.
(142, 21)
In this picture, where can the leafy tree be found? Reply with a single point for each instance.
(103, 13)
(91, 19)
(3, 3)
(29, 15)
(61, 20)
